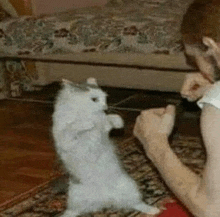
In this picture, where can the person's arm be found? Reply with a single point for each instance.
(184, 183)
(210, 128)
(152, 128)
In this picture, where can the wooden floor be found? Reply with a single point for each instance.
(27, 158)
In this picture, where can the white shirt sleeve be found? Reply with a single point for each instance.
(212, 96)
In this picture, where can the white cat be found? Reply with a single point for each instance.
(81, 133)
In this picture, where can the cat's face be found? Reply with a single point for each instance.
(88, 98)
(94, 99)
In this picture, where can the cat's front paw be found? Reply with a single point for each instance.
(116, 121)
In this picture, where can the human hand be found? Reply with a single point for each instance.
(153, 123)
(194, 86)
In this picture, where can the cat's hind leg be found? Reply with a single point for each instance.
(145, 208)
(85, 198)
(127, 195)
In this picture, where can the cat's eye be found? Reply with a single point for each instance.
(95, 99)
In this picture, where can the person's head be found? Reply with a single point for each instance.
(201, 36)
(206, 57)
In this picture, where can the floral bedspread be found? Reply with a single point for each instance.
(147, 26)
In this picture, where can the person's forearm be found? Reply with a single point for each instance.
(181, 180)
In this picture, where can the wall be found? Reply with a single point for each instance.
(23, 7)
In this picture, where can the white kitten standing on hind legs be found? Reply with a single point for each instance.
(81, 134)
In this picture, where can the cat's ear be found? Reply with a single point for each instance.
(92, 81)
(65, 81)
(69, 85)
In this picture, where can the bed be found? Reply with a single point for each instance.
(126, 43)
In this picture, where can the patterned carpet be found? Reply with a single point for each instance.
(51, 200)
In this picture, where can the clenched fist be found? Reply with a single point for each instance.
(194, 86)
(154, 123)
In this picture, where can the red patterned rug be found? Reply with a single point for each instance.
(50, 199)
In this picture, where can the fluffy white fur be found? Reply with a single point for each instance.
(81, 133)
